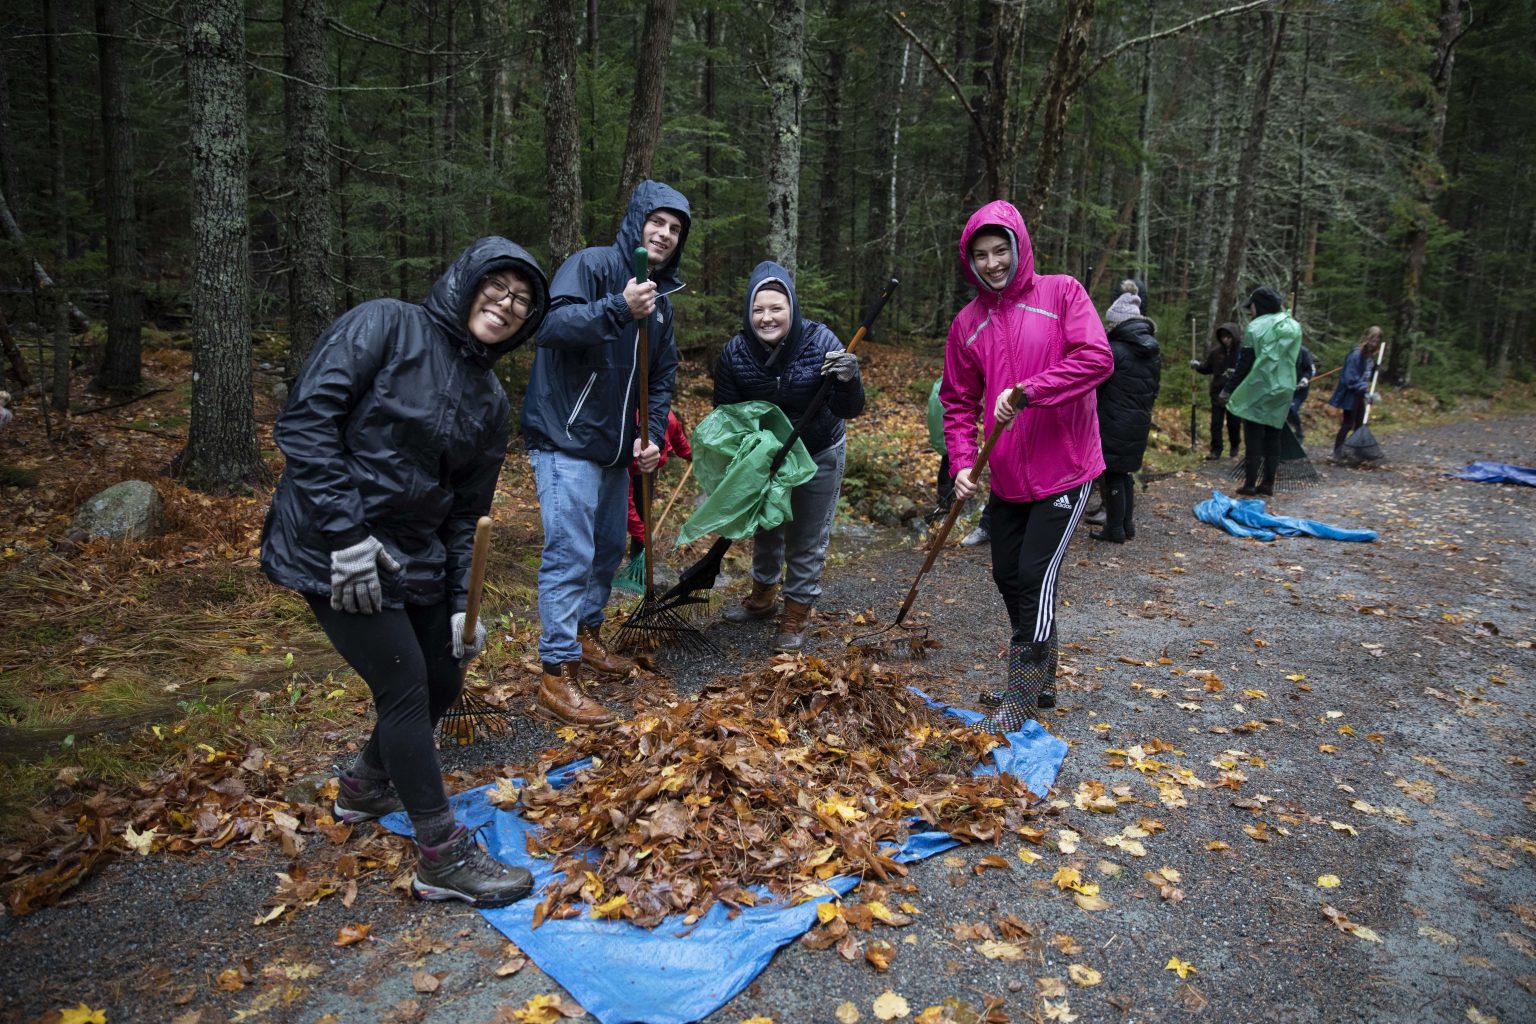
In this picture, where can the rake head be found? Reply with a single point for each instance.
(897, 637)
(655, 623)
(471, 719)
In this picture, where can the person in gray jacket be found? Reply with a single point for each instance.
(394, 436)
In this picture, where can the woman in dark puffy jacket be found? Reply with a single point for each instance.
(780, 358)
(394, 436)
(1125, 410)
(1220, 364)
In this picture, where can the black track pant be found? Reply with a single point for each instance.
(1262, 444)
(406, 658)
(1029, 543)
(1349, 422)
(1234, 428)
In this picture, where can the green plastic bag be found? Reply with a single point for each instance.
(732, 450)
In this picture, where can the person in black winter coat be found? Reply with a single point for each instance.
(1125, 402)
(1306, 369)
(780, 358)
(394, 435)
(1220, 364)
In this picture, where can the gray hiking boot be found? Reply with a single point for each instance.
(359, 800)
(976, 538)
(459, 869)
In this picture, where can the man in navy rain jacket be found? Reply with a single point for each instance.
(580, 423)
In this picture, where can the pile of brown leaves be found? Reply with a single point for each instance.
(779, 779)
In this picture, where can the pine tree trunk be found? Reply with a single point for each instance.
(1429, 175)
(1062, 79)
(10, 181)
(311, 292)
(121, 368)
(59, 305)
(221, 451)
(645, 108)
(1248, 167)
(786, 93)
(562, 134)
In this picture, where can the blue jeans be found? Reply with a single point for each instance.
(583, 507)
(797, 549)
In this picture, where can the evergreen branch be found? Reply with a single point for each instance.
(1152, 37)
(938, 66)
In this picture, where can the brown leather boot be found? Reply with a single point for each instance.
(561, 695)
(757, 605)
(792, 622)
(597, 657)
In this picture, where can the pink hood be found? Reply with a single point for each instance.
(1040, 330)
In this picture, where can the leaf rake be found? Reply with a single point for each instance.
(470, 717)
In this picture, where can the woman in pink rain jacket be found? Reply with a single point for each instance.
(1039, 333)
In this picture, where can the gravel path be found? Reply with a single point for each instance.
(1259, 716)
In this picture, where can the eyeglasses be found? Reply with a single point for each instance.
(495, 290)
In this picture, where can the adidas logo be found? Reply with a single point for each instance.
(1061, 502)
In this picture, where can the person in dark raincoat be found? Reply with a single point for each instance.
(1220, 364)
(1353, 392)
(780, 358)
(1125, 403)
(580, 425)
(394, 435)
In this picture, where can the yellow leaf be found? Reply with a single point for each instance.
(847, 1013)
(1067, 840)
(541, 1009)
(1362, 932)
(890, 1006)
(819, 858)
(758, 1020)
(1090, 902)
(1296, 677)
(139, 842)
(1028, 856)
(504, 794)
(1339, 826)
(1477, 1016)
(1217, 844)
(828, 912)
(1180, 967)
(1060, 1012)
(1066, 878)
(1001, 950)
(1437, 936)
(82, 1014)
(1327, 881)
(1084, 975)
(612, 907)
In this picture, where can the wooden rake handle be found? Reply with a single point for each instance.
(935, 545)
(477, 562)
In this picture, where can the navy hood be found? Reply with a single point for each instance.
(761, 274)
(449, 301)
(648, 197)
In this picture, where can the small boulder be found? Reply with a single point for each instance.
(132, 509)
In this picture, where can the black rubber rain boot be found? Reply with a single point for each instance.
(1130, 507)
(1028, 665)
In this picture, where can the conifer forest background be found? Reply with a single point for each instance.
(230, 176)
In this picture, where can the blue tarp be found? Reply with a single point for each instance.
(1497, 473)
(1247, 518)
(675, 973)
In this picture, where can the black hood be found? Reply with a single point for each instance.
(449, 301)
(764, 272)
(648, 197)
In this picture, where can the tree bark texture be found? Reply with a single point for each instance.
(1429, 178)
(1062, 79)
(786, 94)
(10, 177)
(59, 306)
(311, 220)
(1248, 165)
(831, 215)
(221, 451)
(562, 130)
(121, 365)
(645, 107)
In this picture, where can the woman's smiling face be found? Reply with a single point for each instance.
(992, 256)
(770, 316)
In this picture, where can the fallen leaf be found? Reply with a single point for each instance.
(1327, 881)
(890, 1006)
(511, 967)
(1090, 902)
(1477, 1016)
(504, 794)
(1001, 950)
(847, 1013)
(425, 981)
(541, 1009)
(139, 842)
(1050, 988)
(352, 933)
(1437, 936)
(82, 1014)
(1057, 1011)
(1180, 967)
(880, 953)
(1084, 975)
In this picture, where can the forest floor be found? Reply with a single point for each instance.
(1299, 774)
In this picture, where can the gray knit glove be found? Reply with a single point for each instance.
(466, 654)
(842, 365)
(355, 576)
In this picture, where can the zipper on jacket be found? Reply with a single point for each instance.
(580, 401)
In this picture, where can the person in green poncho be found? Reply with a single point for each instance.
(944, 484)
(1265, 381)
